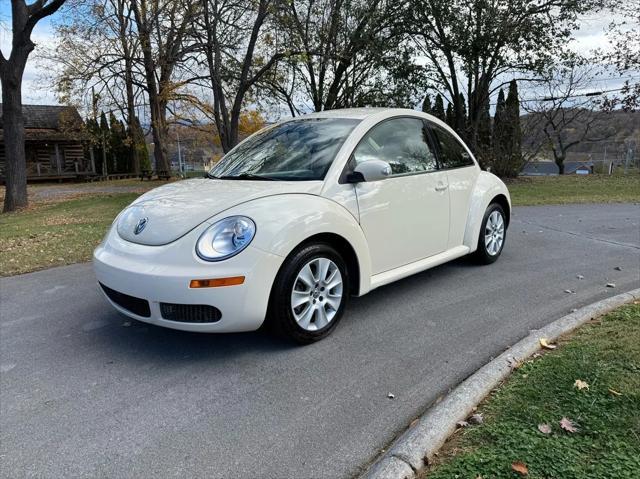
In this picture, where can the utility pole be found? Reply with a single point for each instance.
(179, 155)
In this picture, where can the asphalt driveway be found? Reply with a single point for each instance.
(85, 392)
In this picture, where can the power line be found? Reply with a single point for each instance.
(564, 97)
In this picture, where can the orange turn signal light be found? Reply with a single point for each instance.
(216, 282)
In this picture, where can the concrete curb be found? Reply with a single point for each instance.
(413, 450)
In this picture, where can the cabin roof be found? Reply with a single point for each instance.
(46, 117)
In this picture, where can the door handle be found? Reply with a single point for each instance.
(441, 187)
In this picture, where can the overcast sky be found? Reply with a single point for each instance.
(588, 37)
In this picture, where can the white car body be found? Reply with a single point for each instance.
(394, 227)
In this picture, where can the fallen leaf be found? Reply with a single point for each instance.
(614, 392)
(568, 425)
(574, 310)
(618, 268)
(520, 468)
(611, 285)
(391, 396)
(126, 324)
(545, 344)
(544, 428)
(476, 419)
(580, 384)
(462, 423)
(569, 291)
(579, 276)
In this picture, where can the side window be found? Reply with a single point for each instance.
(452, 153)
(401, 142)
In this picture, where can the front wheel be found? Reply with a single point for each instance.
(309, 294)
(493, 233)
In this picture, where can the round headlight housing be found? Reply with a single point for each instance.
(225, 238)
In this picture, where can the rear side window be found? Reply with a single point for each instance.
(452, 153)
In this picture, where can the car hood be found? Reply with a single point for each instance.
(164, 214)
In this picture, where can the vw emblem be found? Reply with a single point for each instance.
(142, 223)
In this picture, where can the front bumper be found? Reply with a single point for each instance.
(161, 274)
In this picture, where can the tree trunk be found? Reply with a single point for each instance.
(23, 18)
(13, 128)
(560, 162)
(157, 129)
(131, 125)
(158, 126)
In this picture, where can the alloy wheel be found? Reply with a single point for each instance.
(494, 233)
(317, 294)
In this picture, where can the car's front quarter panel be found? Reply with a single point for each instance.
(487, 187)
(285, 221)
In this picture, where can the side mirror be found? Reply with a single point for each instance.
(370, 170)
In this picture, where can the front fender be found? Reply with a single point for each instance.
(285, 221)
(487, 187)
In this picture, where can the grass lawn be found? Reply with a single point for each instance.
(54, 234)
(575, 189)
(66, 221)
(605, 354)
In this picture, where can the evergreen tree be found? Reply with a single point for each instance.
(512, 116)
(438, 108)
(104, 136)
(507, 135)
(426, 104)
(117, 147)
(450, 117)
(139, 151)
(483, 129)
(95, 143)
(462, 122)
(499, 136)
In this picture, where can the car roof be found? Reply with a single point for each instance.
(357, 113)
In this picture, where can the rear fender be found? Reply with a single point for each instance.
(486, 189)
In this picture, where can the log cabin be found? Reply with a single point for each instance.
(54, 144)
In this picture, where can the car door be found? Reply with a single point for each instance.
(405, 217)
(462, 173)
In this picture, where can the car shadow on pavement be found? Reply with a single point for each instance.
(131, 339)
(134, 339)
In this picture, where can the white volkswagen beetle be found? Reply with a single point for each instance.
(297, 218)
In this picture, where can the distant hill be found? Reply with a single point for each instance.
(621, 129)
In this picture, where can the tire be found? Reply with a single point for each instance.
(317, 313)
(489, 253)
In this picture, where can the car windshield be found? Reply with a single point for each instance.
(298, 150)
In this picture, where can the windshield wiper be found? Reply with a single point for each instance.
(245, 176)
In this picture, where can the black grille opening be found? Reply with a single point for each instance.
(130, 303)
(190, 313)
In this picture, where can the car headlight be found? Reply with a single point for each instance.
(225, 238)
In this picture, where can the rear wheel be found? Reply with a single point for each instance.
(309, 294)
(492, 235)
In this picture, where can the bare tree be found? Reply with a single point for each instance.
(24, 18)
(623, 34)
(94, 59)
(471, 44)
(348, 49)
(564, 114)
(163, 28)
(238, 53)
